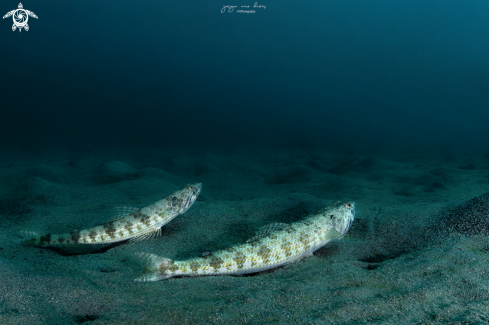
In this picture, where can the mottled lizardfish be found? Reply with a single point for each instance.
(274, 245)
(131, 224)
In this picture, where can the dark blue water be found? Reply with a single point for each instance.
(360, 75)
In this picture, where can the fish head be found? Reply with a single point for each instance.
(340, 215)
(186, 197)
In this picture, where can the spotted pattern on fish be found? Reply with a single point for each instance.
(275, 245)
(134, 224)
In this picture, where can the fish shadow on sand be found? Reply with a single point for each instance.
(386, 240)
(80, 249)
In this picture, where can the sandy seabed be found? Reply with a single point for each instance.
(410, 257)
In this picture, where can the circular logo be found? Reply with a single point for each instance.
(20, 17)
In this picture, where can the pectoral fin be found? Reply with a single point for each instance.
(331, 235)
(151, 233)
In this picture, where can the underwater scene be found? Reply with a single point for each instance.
(245, 162)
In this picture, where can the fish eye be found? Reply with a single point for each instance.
(348, 205)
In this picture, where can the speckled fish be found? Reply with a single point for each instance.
(274, 245)
(131, 224)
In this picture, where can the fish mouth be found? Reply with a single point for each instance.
(348, 218)
(198, 188)
(191, 195)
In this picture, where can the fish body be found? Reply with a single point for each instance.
(132, 224)
(275, 245)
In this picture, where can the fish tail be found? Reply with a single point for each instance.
(31, 237)
(37, 239)
(155, 267)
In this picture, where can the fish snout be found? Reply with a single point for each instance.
(345, 219)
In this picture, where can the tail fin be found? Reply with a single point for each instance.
(156, 267)
(31, 237)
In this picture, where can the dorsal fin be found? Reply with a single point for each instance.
(124, 211)
(112, 215)
(267, 230)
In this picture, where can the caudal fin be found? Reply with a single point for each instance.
(155, 267)
(31, 237)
